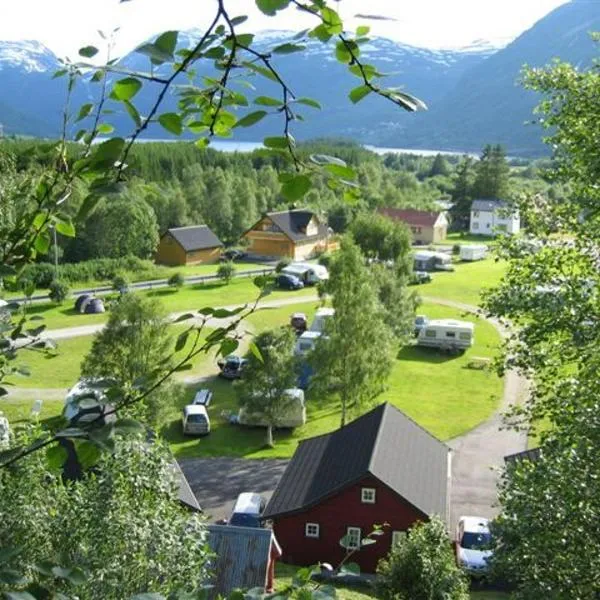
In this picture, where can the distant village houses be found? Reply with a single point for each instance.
(490, 217)
(427, 227)
(188, 245)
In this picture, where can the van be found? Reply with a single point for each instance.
(247, 510)
(447, 334)
(308, 273)
(306, 342)
(195, 420)
(321, 317)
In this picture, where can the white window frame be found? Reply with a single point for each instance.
(397, 536)
(368, 495)
(349, 532)
(475, 225)
(316, 530)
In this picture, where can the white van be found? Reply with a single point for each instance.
(293, 413)
(321, 317)
(195, 420)
(318, 272)
(447, 334)
(306, 342)
(307, 273)
(247, 510)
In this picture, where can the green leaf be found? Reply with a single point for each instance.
(276, 142)
(56, 456)
(251, 118)
(362, 30)
(239, 20)
(321, 33)
(228, 346)
(84, 111)
(11, 577)
(42, 243)
(171, 122)
(126, 89)
(105, 128)
(350, 568)
(153, 52)
(296, 187)
(288, 48)
(341, 171)
(331, 21)
(267, 101)
(133, 113)
(216, 52)
(255, 350)
(270, 7)
(88, 453)
(407, 101)
(181, 340)
(19, 596)
(184, 317)
(108, 152)
(65, 228)
(7, 270)
(88, 51)
(342, 53)
(309, 102)
(128, 426)
(358, 93)
(59, 73)
(167, 42)
(261, 70)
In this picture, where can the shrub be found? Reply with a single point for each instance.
(119, 283)
(58, 291)
(176, 280)
(282, 264)
(226, 271)
(421, 567)
(324, 259)
(456, 249)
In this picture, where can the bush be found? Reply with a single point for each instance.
(176, 280)
(422, 567)
(226, 271)
(456, 249)
(324, 259)
(58, 292)
(282, 264)
(119, 283)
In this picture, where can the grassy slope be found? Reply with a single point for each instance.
(451, 403)
(466, 282)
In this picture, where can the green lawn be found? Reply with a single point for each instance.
(466, 238)
(17, 410)
(192, 297)
(466, 282)
(448, 401)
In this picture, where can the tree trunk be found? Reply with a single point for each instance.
(343, 399)
(270, 443)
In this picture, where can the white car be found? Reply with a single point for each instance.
(472, 545)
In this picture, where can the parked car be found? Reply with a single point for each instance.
(299, 323)
(473, 545)
(195, 420)
(421, 321)
(232, 366)
(232, 254)
(288, 282)
(419, 277)
(247, 510)
(203, 397)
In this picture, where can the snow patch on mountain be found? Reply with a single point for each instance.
(28, 55)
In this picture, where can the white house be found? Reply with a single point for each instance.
(489, 217)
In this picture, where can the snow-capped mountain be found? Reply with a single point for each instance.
(27, 55)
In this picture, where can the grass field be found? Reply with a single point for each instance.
(192, 297)
(466, 238)
(449, 404)
(466, 282)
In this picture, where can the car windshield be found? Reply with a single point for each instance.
(420, 320)
(475, 541)
(196, 419)
(244, 520)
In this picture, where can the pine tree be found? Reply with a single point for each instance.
(439, 166)
(462, 195)
(492, 179)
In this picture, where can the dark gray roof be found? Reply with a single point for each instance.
(531, 455)
(384, 443)
(242, 557)
(294, 222)
(488, 205)
(186, 496)
(196, 237)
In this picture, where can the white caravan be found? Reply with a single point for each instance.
(292, 414)
(321, 317)
(447, 334)
(308, 273)
(471, 252)
(306, 342)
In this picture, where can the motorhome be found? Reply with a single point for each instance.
(292, 413)
(472, 252)
(195, 420)
(447, 334)
(321, 317)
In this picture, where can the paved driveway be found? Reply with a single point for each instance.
(216, 482)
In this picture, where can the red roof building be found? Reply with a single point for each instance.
(427, 227)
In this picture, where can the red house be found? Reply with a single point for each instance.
(381, 468)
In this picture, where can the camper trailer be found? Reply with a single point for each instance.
(447, 334)
(293, 414)
(321, 317)
(427, 260)
(473, 252)
(306, 342)
(307, 273)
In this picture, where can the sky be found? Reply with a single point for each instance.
(66, 25)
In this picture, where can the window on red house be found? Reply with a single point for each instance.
(311, 530)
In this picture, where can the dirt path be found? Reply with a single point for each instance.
(479, 454)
